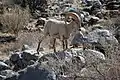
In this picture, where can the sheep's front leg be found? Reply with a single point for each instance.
(63, 44)
(38, 47)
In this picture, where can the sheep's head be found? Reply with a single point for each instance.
(75, 17)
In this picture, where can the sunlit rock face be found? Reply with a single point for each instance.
(91, 56)
(102, 36)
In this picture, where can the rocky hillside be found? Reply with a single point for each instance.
(93, 51)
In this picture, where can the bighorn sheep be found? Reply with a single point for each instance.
(61, 29)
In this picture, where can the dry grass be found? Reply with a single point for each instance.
(15, 20)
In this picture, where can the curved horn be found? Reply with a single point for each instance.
(75, 16)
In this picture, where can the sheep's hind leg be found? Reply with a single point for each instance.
(54, 45)
(63, 42)
(66, 44)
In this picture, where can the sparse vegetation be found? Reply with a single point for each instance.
(15, 20)
(73, 63)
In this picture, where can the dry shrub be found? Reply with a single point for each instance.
(15, 20)
(113, 73)
(111, 21)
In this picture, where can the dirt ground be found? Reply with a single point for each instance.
(29, 38)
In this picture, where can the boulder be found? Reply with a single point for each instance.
(35, 72)
(20, 64)
(29, 55)
(14, 57)
(31, 62)
(93, 20)
(9, 74)
(64, 61)
(8, 62)
(90, 73)
(25, 47)
(3, 66)
(2, 77)
(84, 72)
(91, 56)
(21, 59)
(7, 39)
(40, 22)
(56, 56)
(102, 36)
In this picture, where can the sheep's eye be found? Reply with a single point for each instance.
(73, 19)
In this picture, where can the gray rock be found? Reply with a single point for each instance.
(91, 56)
(79, 59)
(2, 77)
(93, 20)
(31, 62)
(14, 57)
(29, 55)
(64, 61)
(102, 36)
(78, 38)
(84, 72)
(66, 56)
(8, 62)
(21, 60)
(7, 39)
(35, 72)
(78, 62)
(89, 72)
(3, 66)
(25, 47)
(20, 64)
(9, 74)
(65, 77)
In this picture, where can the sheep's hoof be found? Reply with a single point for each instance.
(54, 51)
